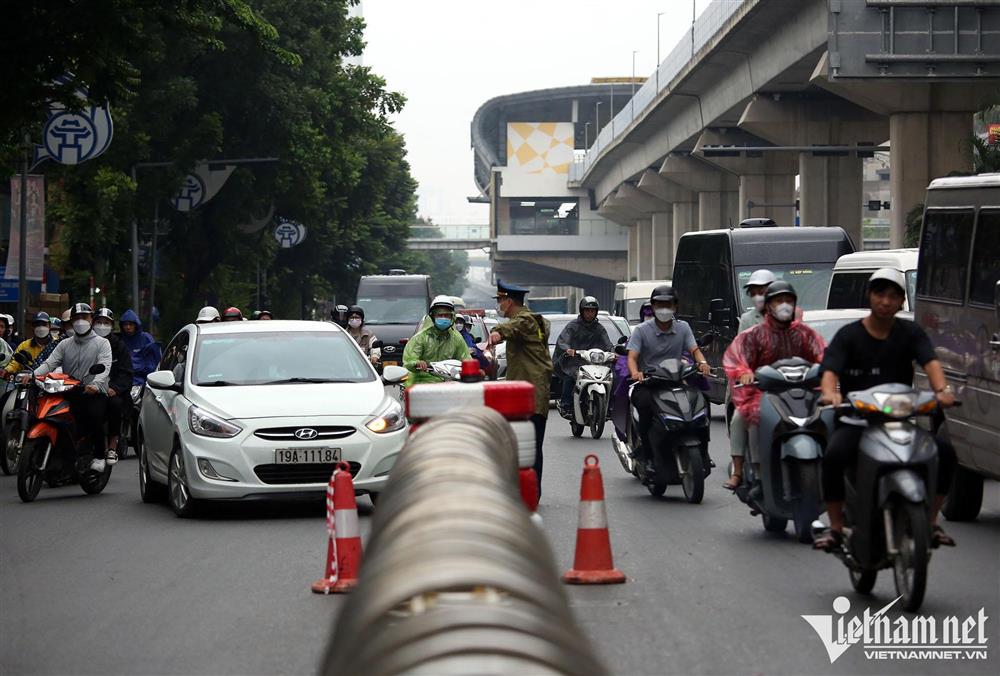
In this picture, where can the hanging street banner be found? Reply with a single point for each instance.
(72, 137)
(200, 186)
(289, 233)
(255, 224)
(36, 228)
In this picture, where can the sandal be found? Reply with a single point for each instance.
(734, 482)
(828, 540)
(939, 538)
(112, 456)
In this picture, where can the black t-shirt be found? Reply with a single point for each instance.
(862, 361)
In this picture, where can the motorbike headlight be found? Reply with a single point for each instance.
(898, 406)
(51, 386)
(205, 424)
(389, 419)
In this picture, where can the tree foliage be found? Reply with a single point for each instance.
(204, 79)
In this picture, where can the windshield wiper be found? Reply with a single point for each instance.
(216, 383)
(306, 380)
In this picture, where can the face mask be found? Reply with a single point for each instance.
(784, 312)
(41, 331)
(81, 326)
(103, 330)
(664, 314)
(354, 323)
(459, 327)
(758, 302)
(442, 323)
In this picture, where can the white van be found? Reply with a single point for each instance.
(849, 283)
(629, 297)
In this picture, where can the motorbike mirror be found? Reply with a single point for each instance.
(706, 340)
(623, 340)
(22, 357)
(620, 350)
(377, 345)
(97, 369)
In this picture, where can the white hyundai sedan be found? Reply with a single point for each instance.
(264, 409)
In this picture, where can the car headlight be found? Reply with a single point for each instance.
(205, 424)
(389, 419)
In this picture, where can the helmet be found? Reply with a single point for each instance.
(760, 278)
(779, 287)
(442, 301)
(66, 316)
(232, 314)
(207, 314)
(589, 303)
(662, 293)
(646, 310)
(890, 275)
(261, 313)
(356, 310)
(55, 322)
(41, 318)
(81, 309)
(105, 313)
(464, 319)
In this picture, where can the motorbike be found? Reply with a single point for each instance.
(592, 393)
(129, 434)
(50, 449)
(17, 417)
(679, 434)
(889, 491)
(449, 369)
(791, 438)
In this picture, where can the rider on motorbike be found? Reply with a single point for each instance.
(75, 357)
(651, 342)
(145, 351)
(39, 346)
(583, 333)
(878, 349)
(207, 315)
(339, 315)
(756, 288)
(462, 324)
(435, 343)
(232, 314)
(120, 382)
(361, 334)
(779, 336)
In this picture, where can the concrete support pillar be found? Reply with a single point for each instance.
(924, 146)
(718, 209)
(685, 220)
(761, 193)
(663, 241)
(831, 192)
(644, 266)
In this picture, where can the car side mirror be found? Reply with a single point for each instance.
(161, 380)
(97, 369)
(718, 313)
(22, 357)
(377, 345)
(393, 374)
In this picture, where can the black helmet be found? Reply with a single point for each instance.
(41, 318)
(81, 309)
(106, 313)
(778, 288)
(589, 303)
(356, 310)
(663, 293)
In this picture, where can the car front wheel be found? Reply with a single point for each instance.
(178, 490)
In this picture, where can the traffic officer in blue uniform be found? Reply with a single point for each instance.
(528, 357)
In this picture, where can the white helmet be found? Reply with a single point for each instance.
(442, 301)
(890, 275)
(760, 278)
(206, 315)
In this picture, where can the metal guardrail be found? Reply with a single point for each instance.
(475, 231)
(456, 578)
(705, 28)
(585, 227)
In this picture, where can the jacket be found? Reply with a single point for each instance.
(364, 337)
(74, 357)
(477, 354)
(579, 335)
(121, 366)
(429, 345)
(528, 358)
(145, 352)
(35, 349)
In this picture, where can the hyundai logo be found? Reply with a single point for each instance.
(306, 433)
(389, 348)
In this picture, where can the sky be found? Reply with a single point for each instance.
(448, 57)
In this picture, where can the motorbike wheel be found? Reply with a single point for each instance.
(29, 476)
(11, 449)
(863, 581)
(911, 532)
(693, 481)
(807, 506)
(577, 430)
(597, 417)
(93, 483)
(773, 525)
(149, 490)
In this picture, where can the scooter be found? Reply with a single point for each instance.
(592, 393)
(791, 438)
(17, 417)
(678, 436)
(889, 491)
(50, 450)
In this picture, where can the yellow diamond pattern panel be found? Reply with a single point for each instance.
(540, 147)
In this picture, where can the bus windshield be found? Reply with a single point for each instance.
(811, 282)
(393, 310)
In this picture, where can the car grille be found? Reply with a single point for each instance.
(306, 473)
(288, 433)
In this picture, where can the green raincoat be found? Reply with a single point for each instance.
(429, 345)
(528, 357)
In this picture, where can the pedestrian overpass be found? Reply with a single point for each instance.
(448, 237)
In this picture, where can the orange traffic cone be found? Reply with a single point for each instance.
(593, 562)
(343, 551)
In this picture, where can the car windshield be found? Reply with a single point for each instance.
(614, 333)
(811, 282)
(828, 327)
(393, 310)
(266, 358)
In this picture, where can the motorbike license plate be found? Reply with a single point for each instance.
(390, 363)
(298, 456)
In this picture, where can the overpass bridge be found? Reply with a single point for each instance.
(448, 237)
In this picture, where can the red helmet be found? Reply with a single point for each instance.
(232, 314)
